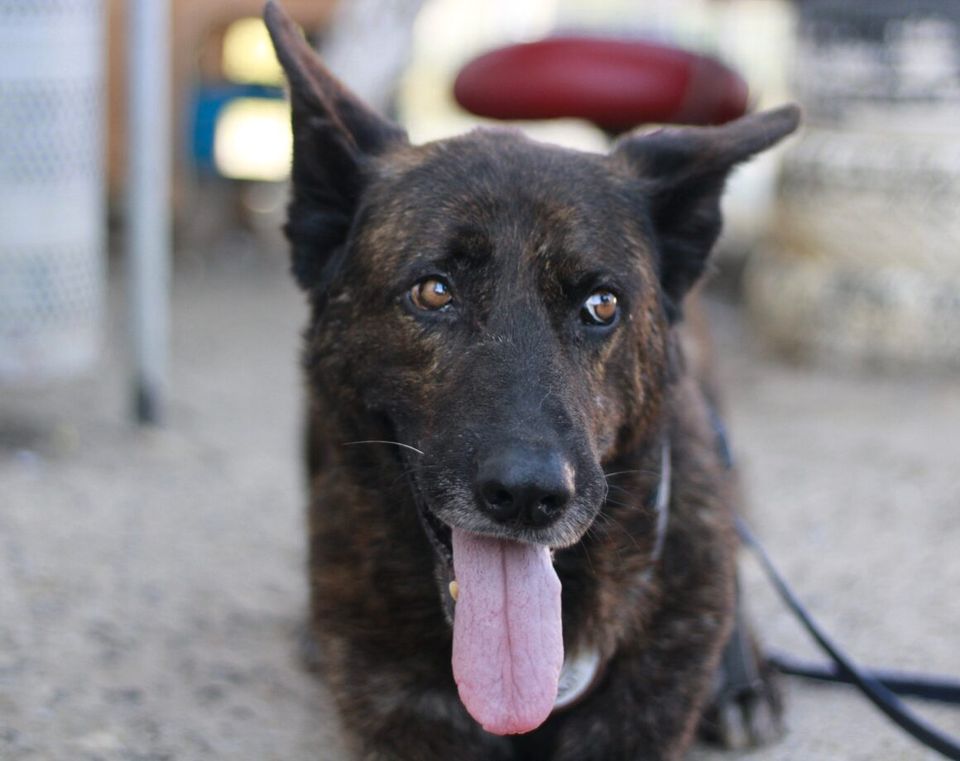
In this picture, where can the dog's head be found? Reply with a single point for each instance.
(503, 304)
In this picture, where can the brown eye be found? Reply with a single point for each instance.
(431, 294)
(600, 308)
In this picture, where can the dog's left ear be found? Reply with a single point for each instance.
(335, 134)
(687, 168)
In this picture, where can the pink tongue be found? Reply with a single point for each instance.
(507, 640)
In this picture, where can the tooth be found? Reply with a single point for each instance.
(454, 590)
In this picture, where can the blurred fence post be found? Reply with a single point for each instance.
(52, 196)
(148, 210)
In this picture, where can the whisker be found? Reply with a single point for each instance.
(625, 472)
(378, 441)
(603, 531)
(406, 472)
(586, 552)
(623, 529)
(420, 465)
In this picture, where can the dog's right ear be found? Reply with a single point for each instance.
(334, 136)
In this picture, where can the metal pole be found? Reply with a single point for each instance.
(148, 187)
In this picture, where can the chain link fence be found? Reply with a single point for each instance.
(52, 194)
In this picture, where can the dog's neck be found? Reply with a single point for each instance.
(584, 668)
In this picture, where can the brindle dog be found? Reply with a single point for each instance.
(498, 399)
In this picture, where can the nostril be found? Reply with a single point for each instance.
(498, 501)
(549, 505)
(546, 509)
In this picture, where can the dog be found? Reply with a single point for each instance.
(521, 539)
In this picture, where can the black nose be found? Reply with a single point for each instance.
(525, 485)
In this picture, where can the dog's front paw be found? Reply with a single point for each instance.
(750, 718)
(747, 708)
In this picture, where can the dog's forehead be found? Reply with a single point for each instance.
(504, 192)
(493, 167)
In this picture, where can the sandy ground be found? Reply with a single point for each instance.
(152, 586)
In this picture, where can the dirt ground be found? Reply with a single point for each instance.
(152, 585)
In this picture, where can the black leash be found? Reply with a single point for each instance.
(921, 686)
(880, 687)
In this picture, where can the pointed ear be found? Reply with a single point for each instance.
(685, 170)
(334, 136)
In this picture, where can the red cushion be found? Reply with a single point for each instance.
(616, 84)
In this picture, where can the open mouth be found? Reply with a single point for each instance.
(504, 606)
(438, 532)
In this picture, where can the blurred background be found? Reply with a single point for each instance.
(151, 546)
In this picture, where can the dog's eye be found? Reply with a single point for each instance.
(431, 294)
(600, 308)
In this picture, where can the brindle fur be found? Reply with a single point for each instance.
(523, 231)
